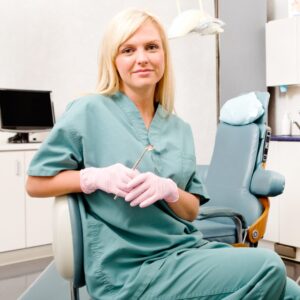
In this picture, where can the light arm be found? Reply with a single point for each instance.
(187, 206)
(63, 183)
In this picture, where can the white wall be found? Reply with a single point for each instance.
(53, 45)
(277, 9)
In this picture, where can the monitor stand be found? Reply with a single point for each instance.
(19, 138)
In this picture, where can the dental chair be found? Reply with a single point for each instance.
(237, 212)
(238, 184)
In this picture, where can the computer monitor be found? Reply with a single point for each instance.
(24, 112)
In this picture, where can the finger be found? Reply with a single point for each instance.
(126, 179)
(136, 172)
(148, 202)
(143, 197)
(120, 193)
(136, 192)
(132, 173)
(123, 186)
(137, 180)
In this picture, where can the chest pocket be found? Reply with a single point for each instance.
(175, 165)
(188, 166)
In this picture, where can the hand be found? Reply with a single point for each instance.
(147, 188)
(113, 179)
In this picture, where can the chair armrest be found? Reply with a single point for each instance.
(217, 212)
(202, 171)
(224, 212)
(62, 238)
(267, 183)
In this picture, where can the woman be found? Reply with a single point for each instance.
(139, 242)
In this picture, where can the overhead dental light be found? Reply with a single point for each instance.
(194, 20)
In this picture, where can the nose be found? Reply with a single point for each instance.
(142, 57)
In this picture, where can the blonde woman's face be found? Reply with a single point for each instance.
(140, 60)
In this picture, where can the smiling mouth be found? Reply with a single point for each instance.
(143, 71)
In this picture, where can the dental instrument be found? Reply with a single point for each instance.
(136, 164)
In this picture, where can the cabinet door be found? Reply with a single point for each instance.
(282, 54)
(290, 204)
(273, 163)
(12, 204)
(38, 215)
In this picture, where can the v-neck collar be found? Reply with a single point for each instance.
(135, 118)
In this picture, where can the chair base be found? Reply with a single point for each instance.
(74, 292)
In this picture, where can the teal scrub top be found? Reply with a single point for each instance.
(124, 246)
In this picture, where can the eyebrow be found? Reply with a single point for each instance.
(154, 41)
(148, 42)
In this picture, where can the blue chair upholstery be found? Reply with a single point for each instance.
(237, 183)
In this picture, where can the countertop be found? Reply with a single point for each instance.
(19, 147)
(285, 138)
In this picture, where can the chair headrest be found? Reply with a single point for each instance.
(264, 98)
(245, 109)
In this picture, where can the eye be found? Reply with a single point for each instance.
(127, 50)
(152, 47)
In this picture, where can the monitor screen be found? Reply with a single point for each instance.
(25, 111)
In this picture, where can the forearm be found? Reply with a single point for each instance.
(65, 182)
(187, 206)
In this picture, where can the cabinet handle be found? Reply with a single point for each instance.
(18, 167)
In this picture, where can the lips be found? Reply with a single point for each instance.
(142, 71)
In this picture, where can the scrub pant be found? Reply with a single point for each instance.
(222, 272)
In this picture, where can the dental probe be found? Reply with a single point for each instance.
(136, 164)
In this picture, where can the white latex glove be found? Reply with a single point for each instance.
(113, 179)
(147, 188)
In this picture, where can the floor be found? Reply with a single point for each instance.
(16, 278)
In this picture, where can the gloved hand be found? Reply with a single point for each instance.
(112, 179)
(147, 188)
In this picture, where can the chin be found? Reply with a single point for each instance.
(146, 83)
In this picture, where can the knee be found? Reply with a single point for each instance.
(274, 265)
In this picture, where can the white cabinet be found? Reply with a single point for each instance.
(24, 221)
(282, 52)
(284, 221)
(12, 202)
(38, 215)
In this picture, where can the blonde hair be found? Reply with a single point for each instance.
(122, 27)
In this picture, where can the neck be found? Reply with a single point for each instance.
(144, 101)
